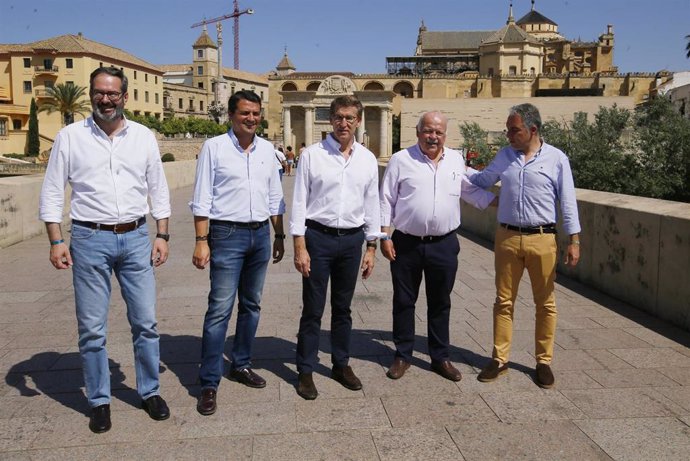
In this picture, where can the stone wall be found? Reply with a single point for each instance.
(19, 201)
(181, 148)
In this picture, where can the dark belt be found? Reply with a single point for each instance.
(311, 224)
(116, 228)
(545, 229)
(426, 238)
(242, 225)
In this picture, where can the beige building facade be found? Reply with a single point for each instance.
(27, 70)
(527, 58)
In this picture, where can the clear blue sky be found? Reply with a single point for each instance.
(349, 35)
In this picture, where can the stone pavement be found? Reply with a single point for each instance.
(622, 390)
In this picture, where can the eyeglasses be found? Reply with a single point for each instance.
(112, 95)
(348, 118)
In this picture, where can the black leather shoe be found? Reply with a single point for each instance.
(207, 402)
(247, 377)
(305, 386)
(446, 369)
(545, 378)
(346, 377)
(156, 407)
(100, 419)
(398, 368)
(492, 371)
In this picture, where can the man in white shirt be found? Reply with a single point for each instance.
(112, 165)
(420, 197)
(335, 208)
(237, 191)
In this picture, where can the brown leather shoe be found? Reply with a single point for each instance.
(545, 378)
(247, 377)
(492, 371)
(207, 402)
(398, 368)
(346, 377)
(305, 386)
(447, 370)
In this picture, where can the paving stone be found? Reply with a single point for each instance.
(531, 405)
(209, 448)
(639, 438)
(622, 403)
(598, 339)
(678, 394)
(679, 375)
(659, 357)
(436, 410)
(19, 433)
(642, 377)
(237, 418)
(399, 444)
(335, 446)
(340, 414)
(496, 440)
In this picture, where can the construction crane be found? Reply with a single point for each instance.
(235, 28)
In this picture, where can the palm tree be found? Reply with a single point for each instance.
(66, 99)
(687, 47)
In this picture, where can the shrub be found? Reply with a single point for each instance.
(167, 157)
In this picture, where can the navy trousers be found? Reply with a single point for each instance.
(438, 262)
(336, 257)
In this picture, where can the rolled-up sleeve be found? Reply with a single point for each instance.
(566, 194)
(202, 200)
(389, 192)
(372, 208)
(52, 198)
(157, 183)
(276, 201)
(300, 193)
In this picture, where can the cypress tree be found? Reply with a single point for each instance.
(33, 143)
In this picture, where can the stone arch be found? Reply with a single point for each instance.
(313, 86)
(404, 89)
(289, 86)
(373, 86)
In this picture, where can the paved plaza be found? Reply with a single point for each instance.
(622, 377)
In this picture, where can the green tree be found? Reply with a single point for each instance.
(33, 143)
(662, 152)
(396, 133)
(475, 139)
(66, 99)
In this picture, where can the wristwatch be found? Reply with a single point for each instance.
(371, 244)
(280, 236)
(165, 237)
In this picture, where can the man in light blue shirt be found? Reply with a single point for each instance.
(237, 191)
(535, 177)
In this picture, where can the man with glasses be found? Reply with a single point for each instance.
(535, 177)
(420, 197)
(236, 192)
(335, 208)
(113, 165)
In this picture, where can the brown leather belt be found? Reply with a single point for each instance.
(116, 228)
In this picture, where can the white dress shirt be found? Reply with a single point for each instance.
(110, 179)
(421, 199)
(334, 191)
(232, 185)
(280, 158)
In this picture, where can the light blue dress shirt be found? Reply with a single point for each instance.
(530, 191)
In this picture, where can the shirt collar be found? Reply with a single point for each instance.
(236, 141)
(90, 121)
(334, 144)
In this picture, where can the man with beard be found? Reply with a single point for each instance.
(335, 208)
(113, 165)
(420, 197)
(237, 191)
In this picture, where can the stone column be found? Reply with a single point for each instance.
(361, 129)
(384, 139)
(308, 126)
(287, 128)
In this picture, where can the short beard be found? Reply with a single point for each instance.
(97, 114)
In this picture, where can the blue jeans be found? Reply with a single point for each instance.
(337, 258)
(96, 254)
(239, 260)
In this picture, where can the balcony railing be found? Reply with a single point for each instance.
(42, 93)
(44, 69)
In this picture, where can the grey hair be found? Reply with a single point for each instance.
(437, 113)
(529, 114)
